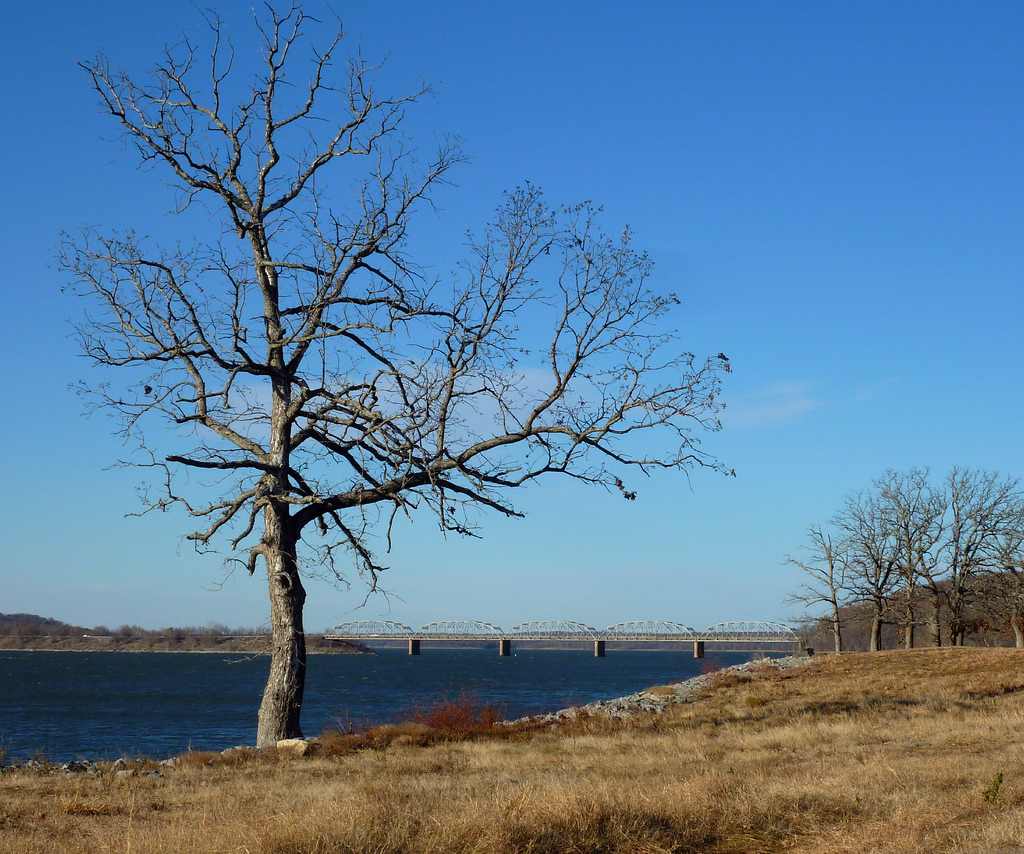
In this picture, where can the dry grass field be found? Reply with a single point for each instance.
(918, 751)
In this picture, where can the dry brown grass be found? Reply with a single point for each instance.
(662, 691)
(890, 752)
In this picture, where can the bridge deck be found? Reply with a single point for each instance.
(580, 638)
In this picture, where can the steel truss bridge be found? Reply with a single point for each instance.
(746, 634)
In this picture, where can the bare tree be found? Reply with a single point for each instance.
(873, 558)
(915, 510)
(304, 360)
(824, 567)
(983, 510)
(1006, 585)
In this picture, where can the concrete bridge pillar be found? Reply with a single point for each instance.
(414, 646)
(504, 646)
(698, 649)
(599, 649)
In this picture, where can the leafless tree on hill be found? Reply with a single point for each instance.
(873, 559)
(983, 512)
(307, 364)
(824, 566)
(915, 510)
(1008, 580)
(954, 546)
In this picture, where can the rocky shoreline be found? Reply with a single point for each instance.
(648, 701)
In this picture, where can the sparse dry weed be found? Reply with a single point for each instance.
(898, 751)
(661, 691)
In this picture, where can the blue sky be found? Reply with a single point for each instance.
(835, 189)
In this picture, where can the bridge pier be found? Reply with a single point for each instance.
(414, 646)
(599, 649)
(504, 647)
(698, 649)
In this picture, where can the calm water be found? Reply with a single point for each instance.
(95, 705)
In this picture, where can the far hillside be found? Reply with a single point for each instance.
(33, 632)
(14, 624)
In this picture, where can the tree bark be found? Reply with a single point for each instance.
(1017, 624)
(281, 706)
(282, 698)
(936, 627)
(909, 620)
(935, 618)
(876, 632)
(837, 631)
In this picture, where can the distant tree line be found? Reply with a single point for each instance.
(32, 625)
(913, 555)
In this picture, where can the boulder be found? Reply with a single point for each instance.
(296, 746)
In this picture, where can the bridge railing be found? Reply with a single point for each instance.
(728, 631)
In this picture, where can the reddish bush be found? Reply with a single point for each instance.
(460, 717)
(457, 719)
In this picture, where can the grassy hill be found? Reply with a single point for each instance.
(910, 752)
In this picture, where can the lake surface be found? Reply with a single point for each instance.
(69, 705)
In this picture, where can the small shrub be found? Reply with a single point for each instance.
(76, 805)
(335, 742)
(245, 756)
(449, 720)
(729, 679)
(196, 759)
(459, 718)
(991, 793)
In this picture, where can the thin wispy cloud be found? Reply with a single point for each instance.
(771, 405)
(872, 390)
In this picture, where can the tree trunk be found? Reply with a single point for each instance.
(282, 697)
(1017, 624)
(935, 622)
(281, 706)
(956, 602)
(908, 620)
(957, 629)
(837, 631)
(876, 633)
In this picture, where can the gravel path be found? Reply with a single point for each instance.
(643, 701)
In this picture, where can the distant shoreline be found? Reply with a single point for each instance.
(247, 646)
(187, 651)
(32, 633)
